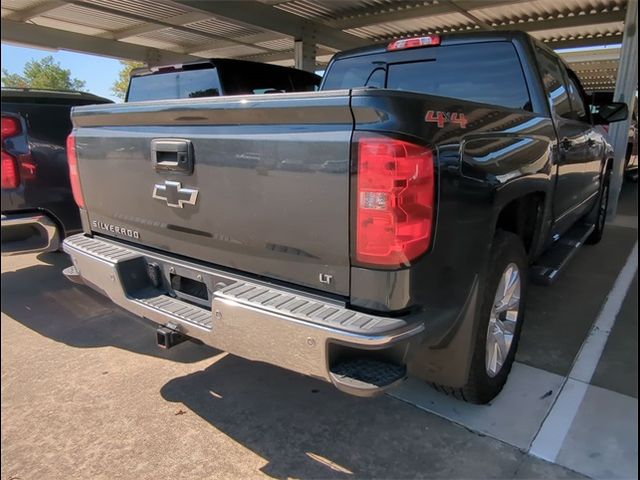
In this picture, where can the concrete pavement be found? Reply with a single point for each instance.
(87, 394)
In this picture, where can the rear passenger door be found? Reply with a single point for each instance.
(578, 146)
(595, 141)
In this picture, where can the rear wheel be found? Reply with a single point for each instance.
(500, 322)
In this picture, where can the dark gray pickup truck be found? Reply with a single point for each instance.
(383, 226)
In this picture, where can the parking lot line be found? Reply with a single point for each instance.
(591, 351)
(551, 436)
(627, 221)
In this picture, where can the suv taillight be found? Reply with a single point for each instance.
(74, 176)
(10, 177)
(10, 127)
(9, 167)
(395, 201)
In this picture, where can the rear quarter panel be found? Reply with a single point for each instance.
(499, 155)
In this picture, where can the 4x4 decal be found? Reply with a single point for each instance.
(441, 118)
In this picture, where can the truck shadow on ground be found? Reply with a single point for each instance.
(41, 299)
(305, 428)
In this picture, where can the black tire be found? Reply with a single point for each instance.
(599, 215)
(481, 388)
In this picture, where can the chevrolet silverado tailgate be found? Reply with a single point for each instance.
(259, 183)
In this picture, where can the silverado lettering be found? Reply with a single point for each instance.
(108, 227)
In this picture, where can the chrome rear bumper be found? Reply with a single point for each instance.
(257, 321)
(28, 233)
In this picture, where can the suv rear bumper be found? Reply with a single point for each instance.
(260, 321)
(28, 233)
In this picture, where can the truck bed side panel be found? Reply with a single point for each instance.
(480, 165)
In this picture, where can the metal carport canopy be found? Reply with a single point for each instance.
(164, 31)
(308, 32)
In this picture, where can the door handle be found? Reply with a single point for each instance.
(566, 144)
(172, 155)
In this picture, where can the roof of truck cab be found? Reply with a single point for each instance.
(220, 62)
(445, 40)
(43, 93)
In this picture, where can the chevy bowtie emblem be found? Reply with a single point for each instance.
(174, 194)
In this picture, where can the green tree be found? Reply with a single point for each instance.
(119, 87)
(44, 73)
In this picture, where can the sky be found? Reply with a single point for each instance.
(99, 73)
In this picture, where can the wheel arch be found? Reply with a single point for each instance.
(525, 211)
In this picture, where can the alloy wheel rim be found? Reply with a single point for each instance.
(505, 313)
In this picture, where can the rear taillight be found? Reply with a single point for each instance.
(395, 201)
(405, 43)
(10, 127)
(74, 176)
(10, 173)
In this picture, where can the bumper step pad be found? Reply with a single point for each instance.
(179, 310)
(308, 309)
(366, 376)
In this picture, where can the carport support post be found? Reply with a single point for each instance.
(626, 85)
(304, 51)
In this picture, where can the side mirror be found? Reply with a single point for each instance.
(609, 112)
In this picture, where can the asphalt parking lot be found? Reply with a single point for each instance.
(87, 394)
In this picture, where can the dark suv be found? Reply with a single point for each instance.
(38, 209)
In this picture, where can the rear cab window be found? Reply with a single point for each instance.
(488, 73)
(256, 78)
(225, 78)
(174, 84)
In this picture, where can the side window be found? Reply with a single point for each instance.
(554, 84)
(577, 102)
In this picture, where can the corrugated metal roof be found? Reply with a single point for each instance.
(66, 25)
(328, 10)
(21, 4)
(450, 22)
(230, 52)
(180, 38)
(90, 18)
(156, 10)
(221, 27)
(283, 44)
(546, 9)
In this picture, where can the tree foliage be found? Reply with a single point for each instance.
(119, 87)
(43, 73)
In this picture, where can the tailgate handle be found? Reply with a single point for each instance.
(172, 155)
